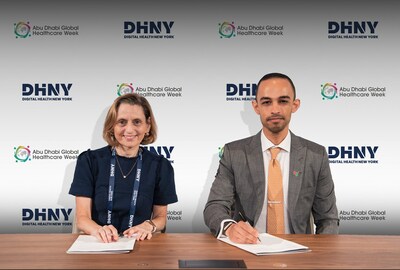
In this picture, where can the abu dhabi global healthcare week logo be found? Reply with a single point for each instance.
(124, 88)
(22, 153)
(155, 91)
(329, 91)
(28, 153)
(227, 30)
(234, 29)
(220, 151)
(22, 30)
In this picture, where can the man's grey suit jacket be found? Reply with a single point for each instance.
(239, 185)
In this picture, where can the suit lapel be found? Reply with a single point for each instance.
(296, 172)
(256, 166)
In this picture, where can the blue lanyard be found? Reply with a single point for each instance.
(111, 185)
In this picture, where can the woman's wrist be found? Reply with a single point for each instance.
(152, 224)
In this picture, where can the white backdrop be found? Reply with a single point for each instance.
(207, 48)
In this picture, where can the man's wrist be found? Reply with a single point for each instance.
(223, 225)
(227, 226)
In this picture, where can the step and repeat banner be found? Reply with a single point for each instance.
(64, 62)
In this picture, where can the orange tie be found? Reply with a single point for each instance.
(275, 222)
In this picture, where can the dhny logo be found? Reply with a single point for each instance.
(241, 89)
(148, 27)
(125, 88)
(22, 30)
(227, 30)
(165, 151)
(46, 89)
(46, 214)
(352, 152)
(352, 27)
(22, 153)
(329, 91)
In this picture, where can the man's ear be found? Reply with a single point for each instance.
(296, 105)
(255, 106)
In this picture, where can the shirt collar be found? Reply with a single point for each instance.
(285, 144)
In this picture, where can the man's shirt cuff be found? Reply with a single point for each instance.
(224, 226)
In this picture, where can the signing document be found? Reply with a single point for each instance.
(268, 245)
(87, 244)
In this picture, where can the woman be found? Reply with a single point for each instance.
(123, 188)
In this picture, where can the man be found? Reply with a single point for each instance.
(238, 197)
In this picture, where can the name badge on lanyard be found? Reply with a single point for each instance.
(111, 185)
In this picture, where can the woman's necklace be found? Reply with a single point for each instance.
(125, 176)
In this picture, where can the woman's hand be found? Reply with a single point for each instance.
(141, 231)
(106, 234)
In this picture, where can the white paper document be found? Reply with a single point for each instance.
(269, 245)
(87, 244)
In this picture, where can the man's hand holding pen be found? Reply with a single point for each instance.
(242, 233)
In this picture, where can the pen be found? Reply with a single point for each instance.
(245, 220)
